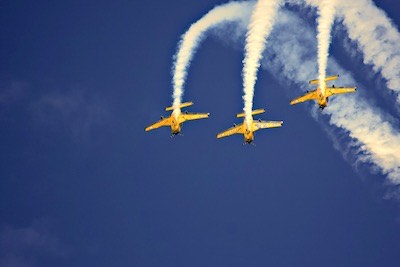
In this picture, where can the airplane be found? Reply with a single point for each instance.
(176, 119)
(248, 132)
(317, 95)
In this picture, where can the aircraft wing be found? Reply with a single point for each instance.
(238, 129)
(160, 123)
(193, 116)
(267, 124)
(341, 90)
(308, 96)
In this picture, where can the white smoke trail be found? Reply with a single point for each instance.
(230, 12)
(261, 24)
(293, 47)
(378, 142)
(375, 35)
(325, 21)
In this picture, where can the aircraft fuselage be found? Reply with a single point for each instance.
(322, 100)
(175, 125)
(248, 135)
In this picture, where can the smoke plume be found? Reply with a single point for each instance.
(375, 35)
(189, 42)
(261, 24)
(291, 58)
(325, 21)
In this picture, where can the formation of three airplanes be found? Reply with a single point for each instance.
(176, 119)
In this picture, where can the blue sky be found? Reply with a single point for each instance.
(83, 185)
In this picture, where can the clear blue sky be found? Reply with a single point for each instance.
(81, 183)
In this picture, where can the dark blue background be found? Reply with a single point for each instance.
(83, 185)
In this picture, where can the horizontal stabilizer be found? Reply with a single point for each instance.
(327, 79)
(183, 105)
(255, 112)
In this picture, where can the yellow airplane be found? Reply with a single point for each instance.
(318, 96)
(176, 119)
(248, 131)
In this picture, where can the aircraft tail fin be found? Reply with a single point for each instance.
(255, 112)
(327, 79)
(183, 105)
